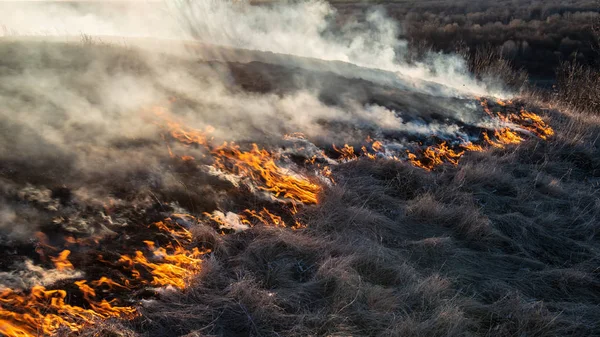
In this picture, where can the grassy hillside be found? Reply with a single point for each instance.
(183, 189)
(504, 244)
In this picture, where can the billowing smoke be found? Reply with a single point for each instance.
(80, 112)
(311, 29)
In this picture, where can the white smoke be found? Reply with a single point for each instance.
(66, 18)
(301, 29)
(308, 29)
(79, 110)
(29, 274)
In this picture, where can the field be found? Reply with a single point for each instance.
(234, 183)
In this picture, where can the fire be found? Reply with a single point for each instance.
(434, 156)
(346, 152)
(61, 262)
(536, 125)
(250, 218)
(174, 269)
(43, 312)
(377, 146)
(486, 108)
(172, 265)
(179, 233)
(264, 217)
(326, 172)
(262, 169)
(507, 136)
(323, 169)
(189, 136)
(187, 158)
(268, 218)
(109, 283)
(503, 137)
(258, 165)
(176, 260)
(524, 119)
(472, 147)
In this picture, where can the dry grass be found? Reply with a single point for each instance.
(578, 87)
(505, 244)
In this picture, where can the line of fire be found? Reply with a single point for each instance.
(110, 275)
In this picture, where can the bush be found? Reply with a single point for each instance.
(578, 87)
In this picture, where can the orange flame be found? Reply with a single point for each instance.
(472, 147)
(178, 267)
(525, 119)
(434, 156)
(263, 216)
(377, 146)
(105, 281)
(43, 312)
(267, 218)
(503, 137)
(486, 108)
(259, 165)
(40, 311)
(61, 262)
(173, 265)
(346, 152)
(536, 125)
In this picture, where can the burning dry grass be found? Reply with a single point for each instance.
(256, 164)
(36, 319)
(486, 248)
(47, 311)
(494, 235)
(515, 126)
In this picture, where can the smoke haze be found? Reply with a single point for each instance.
(81, 85)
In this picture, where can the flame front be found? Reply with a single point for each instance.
(172, 265)
(258, 165)
(174, 262)
(516, 125)
(434, 156)
(346, 153)
(503, 137)
(175, 269)
(42, 311)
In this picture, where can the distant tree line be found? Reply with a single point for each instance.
(534, 35)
